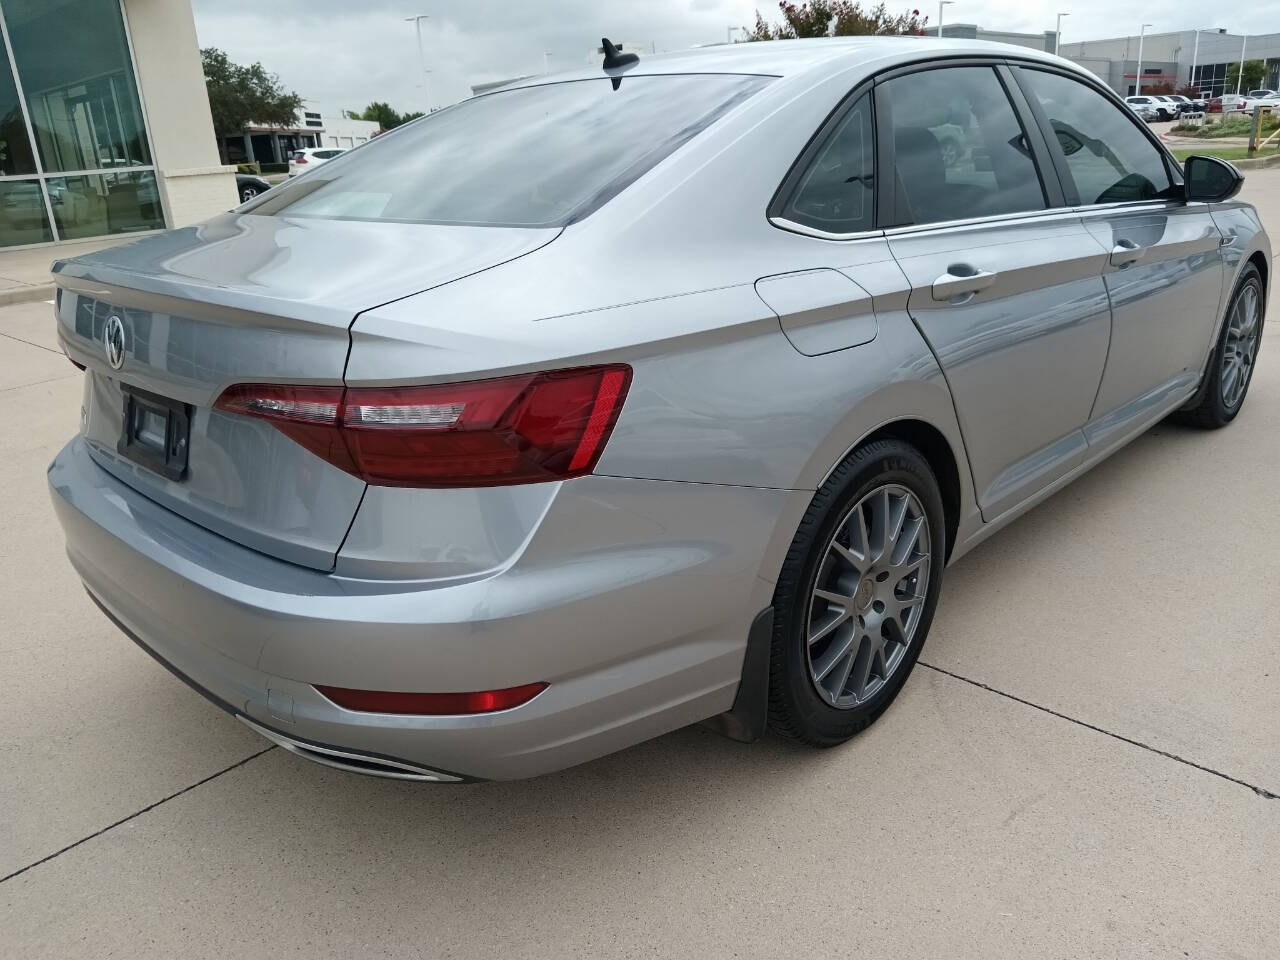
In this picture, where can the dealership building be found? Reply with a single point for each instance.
(1198, 57)
(105, 126)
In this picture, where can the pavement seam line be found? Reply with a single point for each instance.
(137, 813)
(29, 343)
(36, 383)
(1260, 791)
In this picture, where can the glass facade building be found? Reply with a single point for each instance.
(75, 157)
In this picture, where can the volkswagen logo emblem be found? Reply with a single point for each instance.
(113, 338)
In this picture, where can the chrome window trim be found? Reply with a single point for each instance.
(782, 223)
(1025, 216)
(1157, 203)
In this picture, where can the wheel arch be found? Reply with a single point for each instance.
(936, 449)
(1259, 260)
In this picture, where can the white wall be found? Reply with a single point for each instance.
(167, 61)
(348, 133)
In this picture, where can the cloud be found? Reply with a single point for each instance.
(340, 55)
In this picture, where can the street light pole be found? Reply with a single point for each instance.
(941, 4)
(1137, 77)
(1057, 33)
(1240, 76)
(1195, 58)
(422, 60)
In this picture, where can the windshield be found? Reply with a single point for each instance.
(539, 156)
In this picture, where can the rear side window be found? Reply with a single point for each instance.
(538, 156)
(959, 149)
(835, 193)
(1109, 158)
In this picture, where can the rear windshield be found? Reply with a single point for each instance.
(540, 156)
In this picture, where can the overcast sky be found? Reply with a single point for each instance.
(339, 54)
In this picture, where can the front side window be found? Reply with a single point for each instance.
(959, 148)
(1109, 158)
(539, 156)
(835, 193)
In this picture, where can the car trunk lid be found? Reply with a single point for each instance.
(241, 299)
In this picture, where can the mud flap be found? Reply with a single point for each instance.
(746, 719)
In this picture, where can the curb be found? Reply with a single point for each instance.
(1257, 163)
(26, 294)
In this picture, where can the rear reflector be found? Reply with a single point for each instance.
(431, 704)
(522, 429)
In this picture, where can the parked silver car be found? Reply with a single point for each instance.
(624, 399)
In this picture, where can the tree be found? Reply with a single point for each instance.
(241, 95)
(383, 114)
(835, 18)
(1254, 73)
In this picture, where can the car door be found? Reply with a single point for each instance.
(1005, 281)
(1163, 270)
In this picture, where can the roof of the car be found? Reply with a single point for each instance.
(787, 57)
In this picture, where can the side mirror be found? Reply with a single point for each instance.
(1211, 180)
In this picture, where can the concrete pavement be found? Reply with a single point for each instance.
(1083, 765)
(24, 274)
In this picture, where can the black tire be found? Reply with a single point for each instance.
(796, 710)
(1211, 410)
(248, 193)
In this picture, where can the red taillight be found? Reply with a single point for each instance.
(431, 704)
(299, 159)
(521, 429)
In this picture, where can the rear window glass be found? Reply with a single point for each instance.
(538, 156)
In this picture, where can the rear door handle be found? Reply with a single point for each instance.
(961, 279)
(1126, 252)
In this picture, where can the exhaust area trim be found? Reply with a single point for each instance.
(350, 761)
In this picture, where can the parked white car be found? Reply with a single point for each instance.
(1263, 98)
(303, 160)
(1144, 107)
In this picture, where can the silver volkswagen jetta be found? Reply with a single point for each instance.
(619, 400)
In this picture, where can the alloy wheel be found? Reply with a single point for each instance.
(1242, 346)
(868, 596)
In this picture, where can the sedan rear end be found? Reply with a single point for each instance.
(415, 575)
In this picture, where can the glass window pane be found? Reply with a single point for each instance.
(835, 193)
(959, 148)
(23, 218)
(97, 204)
(78, 82)
(537, 156)
(15, 145)
(1110, 159)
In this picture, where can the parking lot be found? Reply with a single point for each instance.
(1085, 763)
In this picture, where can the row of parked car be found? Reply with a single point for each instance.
(249, 185)
(1151, 107)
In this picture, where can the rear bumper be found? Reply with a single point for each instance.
(632, 599)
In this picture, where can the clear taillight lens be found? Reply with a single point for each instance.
(521, 429)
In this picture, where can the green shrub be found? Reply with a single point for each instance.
(1230, 125)
(274, 167)
(254, 168)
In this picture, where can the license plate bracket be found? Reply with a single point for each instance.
(155, 432)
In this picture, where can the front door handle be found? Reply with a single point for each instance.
(1126, 252)
(961, 279)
